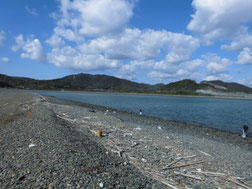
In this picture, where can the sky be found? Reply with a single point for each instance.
(147, 41)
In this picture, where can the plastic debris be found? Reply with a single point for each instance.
(99, 132)
(31, 145)
(160, 128)
(101, 185)
(138, 128)
(144, 160)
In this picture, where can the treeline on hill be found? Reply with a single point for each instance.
(104, 83)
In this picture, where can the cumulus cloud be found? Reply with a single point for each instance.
(245, 56)
(220, 19)
(187, 69)
(144, 45)
(99, 28)
(55, 41)
(2, 36)
(240, 42)
(79, 61)
(95, 17)
(31, 48)
(223, 77)
(216, 67)
(4, 59)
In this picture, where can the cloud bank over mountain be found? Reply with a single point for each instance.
(97, 35)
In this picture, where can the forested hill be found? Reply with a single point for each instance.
(87, 82)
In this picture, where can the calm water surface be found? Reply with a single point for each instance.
(224, 114)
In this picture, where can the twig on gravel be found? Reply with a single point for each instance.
(204, 153)
(185, 165)
(239, 179)
(176, 160)
(67, 119)
(142, 140)
(238, 183)
(164, 181)
(187, 175)
(186, 157)
(210, 173)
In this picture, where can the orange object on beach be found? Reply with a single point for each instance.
(99, 132)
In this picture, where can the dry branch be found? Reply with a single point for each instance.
(185, 165)
(164, 181)
(187, 175)
(176, 160)
(204, 153)
(210, 173)
(238, 183)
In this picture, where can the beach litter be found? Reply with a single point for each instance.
(160, 127)
(101, 185)
(99, 133)
(138, 128)
(31, 145)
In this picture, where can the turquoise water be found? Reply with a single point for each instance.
(224, 114)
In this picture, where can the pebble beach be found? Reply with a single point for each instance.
(46, 142)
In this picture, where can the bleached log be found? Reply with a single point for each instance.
(238, 183)
(209, 173)
(177, 160)
(187, 175)
(204, 153)
(185, 165)
(164, 181)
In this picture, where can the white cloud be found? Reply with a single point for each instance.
(71, 58)
(100, 39)
(55, 41)
(98, 28)
(240, 42)
(216, 68)
(223, 77)
(68, 34)
(245, 56)
(31, 11)
(144, 45)
(164, 71)
(218, 19)
(31, 48)
(216, 65)
(95, 17)
(4, 59)
(2, 37)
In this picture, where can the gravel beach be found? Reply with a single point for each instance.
(51, 143)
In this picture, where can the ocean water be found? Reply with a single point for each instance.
(223, 114)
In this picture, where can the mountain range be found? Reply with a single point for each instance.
(104, 83)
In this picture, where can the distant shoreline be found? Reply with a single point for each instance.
(148, 94)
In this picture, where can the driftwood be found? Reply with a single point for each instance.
(210, 173)
(176, 160)
(204, 153)
(239, 179)
(67, 119)
(164, 181)
(187, 175)
(238, 183)
(185, 165)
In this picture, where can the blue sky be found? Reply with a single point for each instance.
(149, 41)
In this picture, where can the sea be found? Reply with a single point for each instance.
(220, 113)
